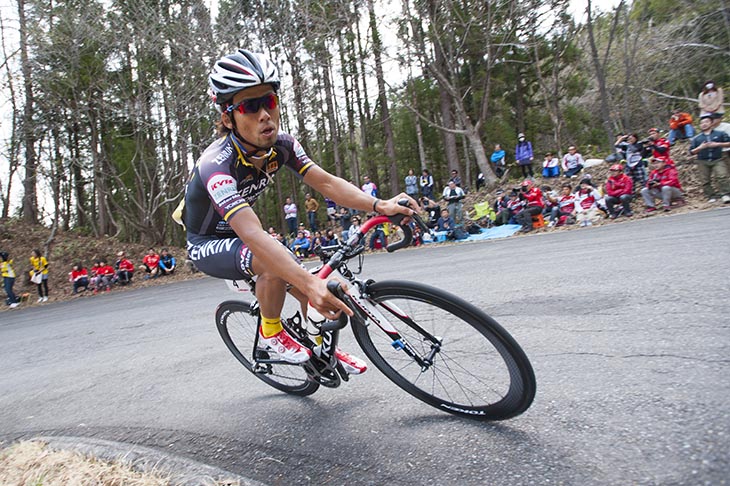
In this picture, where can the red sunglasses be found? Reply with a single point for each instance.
(253, 105)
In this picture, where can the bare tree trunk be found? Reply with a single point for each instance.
(383, 100)
(331, 112)
(30, 201)
(12, 155)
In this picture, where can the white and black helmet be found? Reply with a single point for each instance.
(238, 71)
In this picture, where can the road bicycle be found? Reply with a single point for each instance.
(434, 345)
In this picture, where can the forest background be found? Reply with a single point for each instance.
(108, 107)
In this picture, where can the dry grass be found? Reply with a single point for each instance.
(35, 464)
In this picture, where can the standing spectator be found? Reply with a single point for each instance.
(586, 203)
(707, 146)
(550, 166)
(710, 100)
(104, 277)
(151, 264)
(39, 266)
(300, 245)
(453, 195)
(345, 221)
(331, 207)
(8, 274)
(480, 180)
(455, 177)
(658, 145)
(498, 159)
(290, 215)
(524, 155)
(680, 126)
(635, 162)
(167, 263)
(534, 204)
(663, 184)
(79, 278)
(369, 187)
(125, 269)
(572, 163)
(426, 183)
(619, 189)
(311, 206)
(412, 184)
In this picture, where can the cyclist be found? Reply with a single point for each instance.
(225, 236)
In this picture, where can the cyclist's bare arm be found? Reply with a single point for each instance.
(345, 194)
(271, 255)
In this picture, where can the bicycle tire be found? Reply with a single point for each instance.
(480, 371)
(238, 326)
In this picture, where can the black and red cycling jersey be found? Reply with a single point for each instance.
(224, 182)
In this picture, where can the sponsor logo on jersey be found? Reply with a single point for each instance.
(220, 187)
(272, 166)
(223, 156)
(254, 189)
(299, 150)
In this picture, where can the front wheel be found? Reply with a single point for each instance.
(446, 352)
(237, 324)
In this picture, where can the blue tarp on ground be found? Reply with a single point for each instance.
(491, 233)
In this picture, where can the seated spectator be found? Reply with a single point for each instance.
(498, 159)
(658, 145)
(550, 166)
(125, 269)
(151, 264)
(515, 205)
(663, 184)
(300, 245)
(619, 189)
(8, 273)
(306, 232)
(710, 100)
(586, 203)
(317, 240)
(480, 180)
(620, 149)
(446, 224)
(635, 162)
(708, 147)
(566, 207)
(680, 126)
(572, 162)
(501, 212)
(167, 263)
(550, 208)
(104, 276)
(93, 277)
(433, 210)
(378, 236)
(354, 226)
(532, 196)
(330, 239)
(79, 277)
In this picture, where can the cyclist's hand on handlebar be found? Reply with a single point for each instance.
(324, 301)
(391, 207)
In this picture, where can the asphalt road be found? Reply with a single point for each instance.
(626, 326)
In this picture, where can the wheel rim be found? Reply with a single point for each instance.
(472, 373)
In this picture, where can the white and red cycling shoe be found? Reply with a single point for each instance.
(352, 364)
(284, 347)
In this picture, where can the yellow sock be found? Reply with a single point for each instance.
(269, 326)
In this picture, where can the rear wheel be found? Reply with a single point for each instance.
(469, 365)
(237, 324)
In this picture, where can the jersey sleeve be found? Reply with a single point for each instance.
(296, 158)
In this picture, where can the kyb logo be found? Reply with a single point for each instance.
(220, 187)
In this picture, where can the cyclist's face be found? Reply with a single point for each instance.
(260, 128)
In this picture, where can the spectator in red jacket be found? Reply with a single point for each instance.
(566, 206)
(619, 189)
(659, 145)
(150, 263)
(532, 197)
(104, 276)
(663, 184)
(125, 269)
(79, 277)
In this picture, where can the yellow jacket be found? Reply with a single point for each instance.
(6, 269)
(40, 265)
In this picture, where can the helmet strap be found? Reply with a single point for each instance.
(247, 153)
